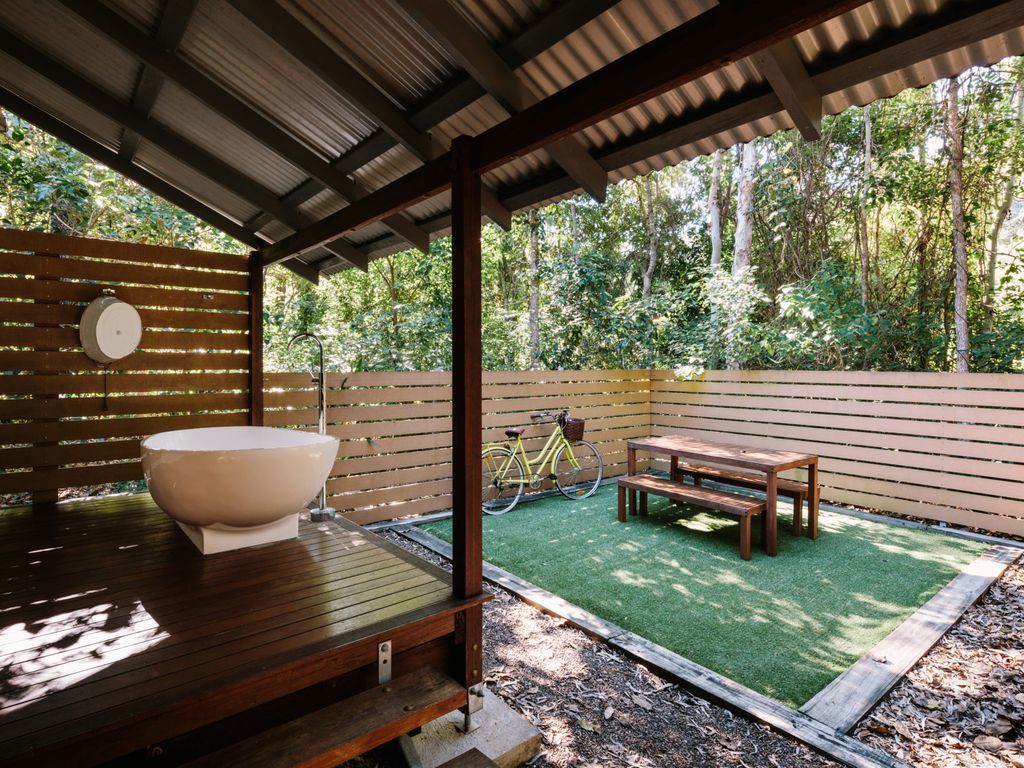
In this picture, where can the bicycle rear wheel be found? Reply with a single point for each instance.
(578, 470)
(503, 480)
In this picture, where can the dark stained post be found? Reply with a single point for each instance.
(467, 556)
(255, 340)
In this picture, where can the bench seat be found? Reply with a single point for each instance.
(743, 507)
(793, 489)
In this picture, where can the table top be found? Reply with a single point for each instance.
(726, 454)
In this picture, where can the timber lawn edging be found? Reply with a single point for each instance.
(697, 679)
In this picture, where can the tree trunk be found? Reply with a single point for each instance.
(745, 210)
(533, 254)
(862, 215)
(652, 236)
(956, 187)
(715, 211)
(992, 264)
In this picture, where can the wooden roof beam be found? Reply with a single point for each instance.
(86, 145)
(702, 45)
(483, 63)
(313, 53)
(173, 23)
(562, 20)
(203, 162)
(783, 68)
(172, 67)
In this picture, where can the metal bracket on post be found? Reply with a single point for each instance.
(473, 705)
(384, 662)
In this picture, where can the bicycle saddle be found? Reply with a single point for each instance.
(514, 431)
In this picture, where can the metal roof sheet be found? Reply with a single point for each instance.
(414, 70)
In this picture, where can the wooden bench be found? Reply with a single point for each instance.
(793, 489)
(349, 728)
(743, 507)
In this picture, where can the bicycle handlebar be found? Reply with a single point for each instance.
(549, 415)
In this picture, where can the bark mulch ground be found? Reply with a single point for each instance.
(596, 708)
(963, 703)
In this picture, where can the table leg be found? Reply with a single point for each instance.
(630, 461)
(632, 501)
(674, 472)
(622, 504)
(812, 499)
(643, 504)
(798, 515)
(771, 507)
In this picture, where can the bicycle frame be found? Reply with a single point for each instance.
(547, 454)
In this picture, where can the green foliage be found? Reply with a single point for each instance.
(799, 306)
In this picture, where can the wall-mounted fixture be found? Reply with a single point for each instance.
(110, 329)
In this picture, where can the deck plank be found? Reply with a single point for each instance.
(111, 617)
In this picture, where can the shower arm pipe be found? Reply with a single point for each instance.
(319, 380)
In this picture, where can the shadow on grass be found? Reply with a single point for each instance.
(785, 626)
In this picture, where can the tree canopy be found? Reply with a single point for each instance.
(845, 257)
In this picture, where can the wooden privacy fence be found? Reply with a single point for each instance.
(395, 428)
(69, 422)
(947, 447)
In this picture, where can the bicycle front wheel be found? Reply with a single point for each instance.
(578, 470)
(503, 479)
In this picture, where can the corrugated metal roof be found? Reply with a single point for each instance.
(414, 71)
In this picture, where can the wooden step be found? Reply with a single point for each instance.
(349, 728)
(472, 759)
(743, 479)
(723, 501)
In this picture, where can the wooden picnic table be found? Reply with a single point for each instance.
(770, 462)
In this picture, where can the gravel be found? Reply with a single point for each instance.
(597, 708)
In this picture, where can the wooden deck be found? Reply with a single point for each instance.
(118, 634)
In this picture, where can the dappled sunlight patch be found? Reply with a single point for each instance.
(631, 579)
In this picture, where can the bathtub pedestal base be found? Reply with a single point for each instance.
(212, 539)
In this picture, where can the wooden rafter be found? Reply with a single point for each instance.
(954, 26)
(203, 162)
(700, 46)
(182, 199)
(783, 68)
(463, 90)
(486, 66)
(240, 114)
(173, 23)
(288, 32)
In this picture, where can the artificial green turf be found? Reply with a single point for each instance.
(785, 626)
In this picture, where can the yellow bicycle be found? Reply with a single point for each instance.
(571, 463)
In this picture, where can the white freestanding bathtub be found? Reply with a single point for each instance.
(232, 487)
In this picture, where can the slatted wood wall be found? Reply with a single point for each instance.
(395, 456)
(68, 422)
(946, 447)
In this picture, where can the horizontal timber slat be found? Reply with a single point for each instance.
(395, 427)
(946, 447)
(70, 423)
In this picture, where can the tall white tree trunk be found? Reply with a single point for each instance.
(715, 210)
(992, 264)
(745, 209)
(956, 187)
(652, 235)
(533, 255)
(862, 216)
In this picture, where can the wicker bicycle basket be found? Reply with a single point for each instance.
(573, 430)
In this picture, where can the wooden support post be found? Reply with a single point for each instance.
(812, 500)
(467, 472)
(255, 340)
(771, 507)
(47, 495)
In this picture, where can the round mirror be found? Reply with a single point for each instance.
(110, 329)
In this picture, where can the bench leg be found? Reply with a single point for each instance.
(643, 504)
(745, 537)
(762, 519)
(697, 481)
(798, 514)
(622, 503)
(812, 500)
(632, 501)
(674, 471)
